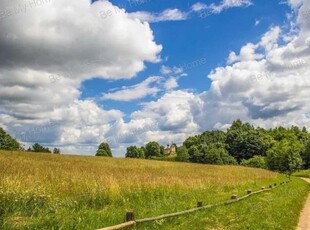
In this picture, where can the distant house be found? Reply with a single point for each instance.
(171, 149)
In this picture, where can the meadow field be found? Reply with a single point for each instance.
(45, 191)
(303, 173)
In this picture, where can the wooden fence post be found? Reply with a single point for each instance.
(130, 216)
(199, 204)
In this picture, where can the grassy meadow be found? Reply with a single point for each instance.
(303, 173)
(44, 191)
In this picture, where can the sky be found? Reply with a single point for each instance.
(76, 73)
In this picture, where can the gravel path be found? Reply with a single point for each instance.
(304, 220)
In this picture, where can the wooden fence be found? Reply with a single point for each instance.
(131, 221)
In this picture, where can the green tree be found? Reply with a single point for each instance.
(215, 136)
(104, 150)
(244, 141)
(255, 162)
(191, 141)
(7, 142)
(40, 149)
(153, 149)
(182, 154)
(56, 151)
(284, 156)
(134, 152)
(195, 155)
(216, 153)
(305, 155)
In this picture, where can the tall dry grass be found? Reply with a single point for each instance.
(45, 189)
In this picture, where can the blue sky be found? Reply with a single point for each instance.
(74, 73)
(184, 41)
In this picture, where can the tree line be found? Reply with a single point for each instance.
(279, 149)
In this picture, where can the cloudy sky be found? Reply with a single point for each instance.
(75, 73)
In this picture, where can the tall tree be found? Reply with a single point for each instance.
(284, 156)
(104, 150)
(134, 152)
(153, 149)
(244, 141)
(7, 142)
(182, 154)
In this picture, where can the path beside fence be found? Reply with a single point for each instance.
(304, 220)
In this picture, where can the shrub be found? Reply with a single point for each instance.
(255, 162)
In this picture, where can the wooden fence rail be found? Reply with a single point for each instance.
(130, 221)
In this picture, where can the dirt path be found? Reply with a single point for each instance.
(304, 220)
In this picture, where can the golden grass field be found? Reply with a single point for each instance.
(45, 191)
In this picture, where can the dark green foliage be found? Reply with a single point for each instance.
(153, 149)
(216, 154)
(182, 154)
(284, 156)
(191, 141)
(215, 136)
(305, 155)
(37, 148)
(244, 141)
(135, 152)
(7, 142)
(255, 162)
(162, 150)
(249, 146)
(56, 151)
(195, 155)
(104, 150)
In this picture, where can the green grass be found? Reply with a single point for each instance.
(303, 173)
(277, 209)
(44, 191)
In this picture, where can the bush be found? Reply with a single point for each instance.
(255, 162)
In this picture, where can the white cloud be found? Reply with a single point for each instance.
(166, 70)
(226, 4)
(266, 83)
(199, 7)
(43, 63)
(135, 92)
(247, 53)
(171, 83)
(216, 9)
(166, 15)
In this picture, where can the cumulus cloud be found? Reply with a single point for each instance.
(43, 63)
(48, 50)
(266, 83)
